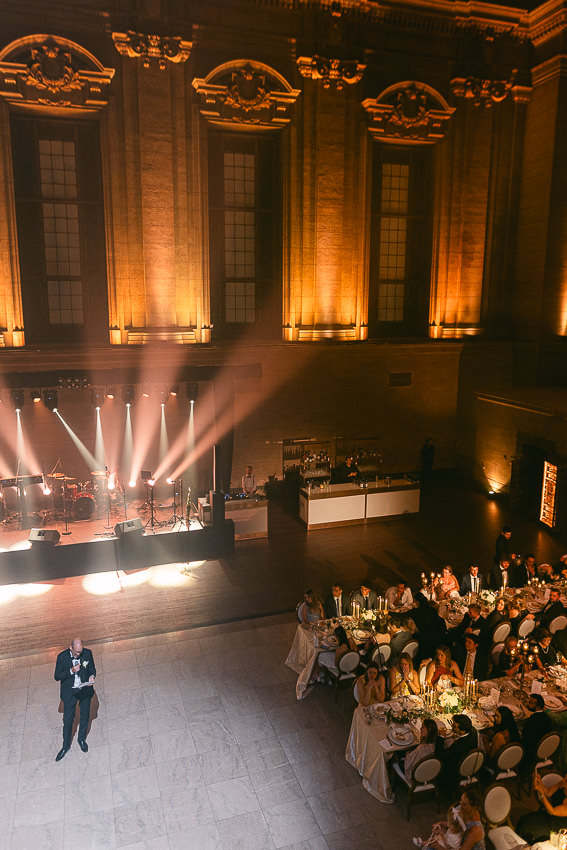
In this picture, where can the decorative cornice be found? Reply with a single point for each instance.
(137, 45)
(409, 112)
(333, 72)
(482, 92)
(547, 21)
(46, 70)
(246, 92)
(548, 70)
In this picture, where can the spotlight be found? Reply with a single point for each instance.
(131, 484)
(145, 392)
(50, 399)
(110, 392)
(163, 396)
(35, 396)
(128, 395)
(17, 399)
(97, 398)
(192, 391)
(173, 390)
(151, 482)
(45, 488)
(170, 480)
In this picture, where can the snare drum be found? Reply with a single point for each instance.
(84, 507)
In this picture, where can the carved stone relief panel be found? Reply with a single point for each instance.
(333, 72)
(146, 47)
(409, 112)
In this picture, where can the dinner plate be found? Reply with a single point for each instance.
(331, 640)
(402, 738)
(552, 701)
(361, 634)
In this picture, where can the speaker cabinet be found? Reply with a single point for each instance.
(128, 526)
(49, 536)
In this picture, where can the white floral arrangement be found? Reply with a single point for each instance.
(458, 606)
(368, 616)
(489, 596)
(451, 701)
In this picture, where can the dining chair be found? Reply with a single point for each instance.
(507, 762)
(345, 671)
(496, 652)
(551, 779)
(423, 670)
(411, 648)
(469, 767)
(423, 779)
(557, 624)
(501, 632)
(381, 655)
(525, 628)
(495, 809)
(545, 749)
(355, 693)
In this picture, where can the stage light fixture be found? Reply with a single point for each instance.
(50, 399)
(170, 480)
(131, 484)
(35, 396)
(128, 395)
(17, 398)
(151, 482)
(163, 395)
(192, 391)
(97, 398)
(145, 475)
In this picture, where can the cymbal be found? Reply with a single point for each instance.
(99, 473)
(61, 477)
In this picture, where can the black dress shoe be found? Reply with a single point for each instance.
(84, 746)
(61, 753)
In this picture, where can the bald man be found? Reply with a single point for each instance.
(75, 670)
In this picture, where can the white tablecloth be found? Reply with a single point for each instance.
(302, 658)
(365, 752)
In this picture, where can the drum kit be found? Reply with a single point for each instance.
(60, 497)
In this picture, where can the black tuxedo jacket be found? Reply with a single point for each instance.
(66, 678)
(330, 606)
(453, 754)
(479, 626)
(520, 576)
(535, 727)
(550, 612)
(358, 597)
(495, 577)
(480, 667)
(466, 584)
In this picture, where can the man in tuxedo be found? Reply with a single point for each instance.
(472, 623)
(335, 604)
(501, 574)
(399, 597)
(536, 726)
(366, 598)
(75, 670)
(524, 571)
(471, 582)
(472, 661)
(466, 739)
(552, 609)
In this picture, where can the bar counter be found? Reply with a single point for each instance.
(349, 504)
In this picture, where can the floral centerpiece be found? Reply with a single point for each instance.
(489, 597)
(399, 715)
(367, 616)
(451, 701)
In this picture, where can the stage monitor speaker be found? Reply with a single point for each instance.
(128, 526)
(49, 536)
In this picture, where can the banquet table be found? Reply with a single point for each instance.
(313, 638)
(369, 746)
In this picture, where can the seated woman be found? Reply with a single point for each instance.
(552, 816)
(545, 652)
(430, 744)
(346, 644)
(442, 670)
(310, 610)
(468, 814)
(403, 679)
(499, 614)
(503, 731)
(371, 686)
(447, 585)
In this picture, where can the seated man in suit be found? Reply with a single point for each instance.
(336, 603)
(399, 597)
(465, 740)
(536, 726)
(366, 598)
(508, 663)
(472, 661)
(500, 574)
(552, 609)
(472, 623)
(471, 582)
(525, 571)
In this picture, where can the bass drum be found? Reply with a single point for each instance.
(84, 507)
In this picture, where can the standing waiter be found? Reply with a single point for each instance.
(75, 669)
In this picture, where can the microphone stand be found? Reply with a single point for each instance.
(65, 508)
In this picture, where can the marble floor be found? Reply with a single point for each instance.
(196, 741)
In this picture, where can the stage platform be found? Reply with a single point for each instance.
(91, 546)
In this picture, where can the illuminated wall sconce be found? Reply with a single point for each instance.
(110, 392)
(173, 390)
(115, 335)
(35, 396)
